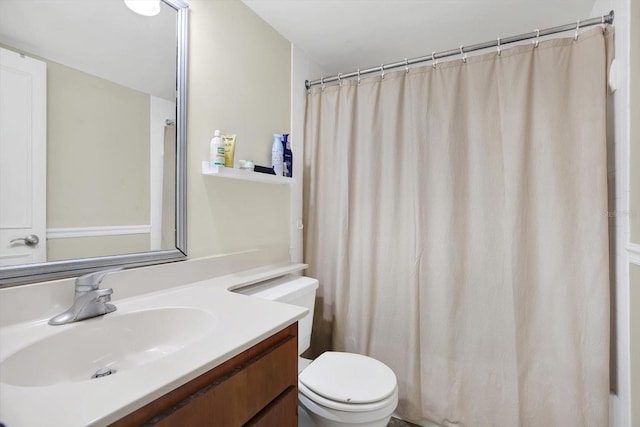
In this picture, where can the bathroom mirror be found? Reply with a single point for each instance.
(92, 136)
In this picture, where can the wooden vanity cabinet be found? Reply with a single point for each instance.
(257, 388)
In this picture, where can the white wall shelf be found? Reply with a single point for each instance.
(245, 175)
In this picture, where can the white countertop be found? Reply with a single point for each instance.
(239, 322)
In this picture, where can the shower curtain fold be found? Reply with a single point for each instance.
(456, 219)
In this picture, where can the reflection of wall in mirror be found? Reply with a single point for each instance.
(99, 165)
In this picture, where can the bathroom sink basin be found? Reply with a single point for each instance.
(111, 343)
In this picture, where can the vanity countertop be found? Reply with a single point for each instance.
(237, 322)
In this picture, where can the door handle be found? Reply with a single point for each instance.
(30, 240)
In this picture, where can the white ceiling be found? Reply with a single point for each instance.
(340, 35)
(343, 35)
(99, 37)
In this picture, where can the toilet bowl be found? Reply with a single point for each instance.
(337, 389)
(346, 389)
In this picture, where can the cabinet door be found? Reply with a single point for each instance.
(235, 400)
(233, 393)
(282, 412)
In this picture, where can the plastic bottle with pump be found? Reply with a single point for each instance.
(277, 154)
(217, 150)
(288, 156)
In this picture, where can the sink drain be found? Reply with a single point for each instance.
(103, 372)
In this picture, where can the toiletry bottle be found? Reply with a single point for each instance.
(288, 156)
(229, 142)
(217, 150)
(277, 154)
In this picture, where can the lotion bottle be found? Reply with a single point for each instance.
(217, 150)
(277, 154)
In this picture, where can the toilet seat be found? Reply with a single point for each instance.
(348, 407)
(348, 382)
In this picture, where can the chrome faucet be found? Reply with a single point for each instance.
(89, 301)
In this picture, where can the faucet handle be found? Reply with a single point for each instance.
(104, 298)
(91, 281)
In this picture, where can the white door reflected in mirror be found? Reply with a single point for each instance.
(23, 147)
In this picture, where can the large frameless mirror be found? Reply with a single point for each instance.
(92, 136)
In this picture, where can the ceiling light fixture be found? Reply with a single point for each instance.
(144, 7)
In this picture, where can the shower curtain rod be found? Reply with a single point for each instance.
(604, 19)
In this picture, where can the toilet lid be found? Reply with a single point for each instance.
(349, 378)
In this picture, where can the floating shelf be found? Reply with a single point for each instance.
(245, 175)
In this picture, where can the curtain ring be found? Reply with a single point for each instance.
(464, 55)
(382, 69)
(499, 51)
(358, 75)
(322, 83)
(406, 65)
(340, 79)
(575, 38)
(536, 42)
(434, 61)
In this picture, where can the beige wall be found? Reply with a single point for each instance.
(85, 247)
(239, 82)
(634, 120)
(97, 162)
(97, 151)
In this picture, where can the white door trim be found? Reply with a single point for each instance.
(117, 230)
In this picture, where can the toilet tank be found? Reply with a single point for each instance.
(294, 290)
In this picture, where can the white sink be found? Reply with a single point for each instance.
(116, 341)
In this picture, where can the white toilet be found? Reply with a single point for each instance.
(336, 389)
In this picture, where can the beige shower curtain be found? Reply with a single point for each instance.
(456, 218)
